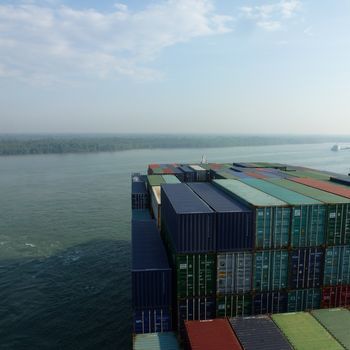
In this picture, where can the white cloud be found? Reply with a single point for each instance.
(272, 16)
(49, 42)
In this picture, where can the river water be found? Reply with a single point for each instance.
(65, 240)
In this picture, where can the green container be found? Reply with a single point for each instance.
(308, 214)
(337, 222)
(155, 180)
(234, 305)
(337, 266)
(304, 332)
(222, 174)
(270, 270)
(272, 216)
(171, 179)
(195, 274)
(337, 322)
(304, 299)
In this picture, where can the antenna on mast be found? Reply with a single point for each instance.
(204, 159)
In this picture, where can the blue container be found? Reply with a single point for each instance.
(140, 215)
(270, 303)
(152, 320)
(259, 333)
(234, 223)
(139, 195)
(195, 309)
(238, 174)
(306, 268)
(187, 222)
(151, 274)
(344, 180)
(190, 174)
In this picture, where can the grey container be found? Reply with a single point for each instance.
(234, 221)
(259, 333)
(234, 272)
(337, 266)
(188, 223)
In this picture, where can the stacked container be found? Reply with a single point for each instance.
(151, 280)
(234, 244)
(139, 195)
(188, 230)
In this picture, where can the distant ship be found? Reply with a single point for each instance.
(337, 148)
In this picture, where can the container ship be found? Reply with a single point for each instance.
(240, 256)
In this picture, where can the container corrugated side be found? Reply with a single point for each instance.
(201, 173)
(139, 195)
(188, 222)
(232, 305)
(195, 274)
(140, 215)
(259, 333)
(210, 335)
(156, 341)
(234, 223)
(304, 299)
(151, 274)
(337, 223)
(270, 270)
(308, 214)
(234, 272)
(304, 332)
(337, 322)
(190, 174)
(306, 266)
(335, 296)
(337, 266)
(270, 303)
(271, 218)
(152, 320)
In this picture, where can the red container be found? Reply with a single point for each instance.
(153, 166)
(255, 175)
(324, 186)
(214, 334)
(168, 171)
(335, 296)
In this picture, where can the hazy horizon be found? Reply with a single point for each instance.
(254, 67)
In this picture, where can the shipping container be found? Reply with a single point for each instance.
(337, 211)
(187, 221)
(306, 268)
(156, 204)
(170, 179)
(270, 270)
(270, 303)
(194, 309)
(335, 296)
(304, 299)
(324, 186)
(139, 195)
(234, 305)
(201, 173)
(140, 215)
(211, 335)
(337, 322)
(223, 174)
(308, 214)
(190, 174)
(195, 274)
(234, 272)
(337, 266)
(151, 274)
(152, 320)
(234, 228)
(259, 333)
(155, 180)
(156, 341)
(304, 332)
(343, 180)
(271, 218)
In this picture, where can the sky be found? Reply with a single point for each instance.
(175, 66)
